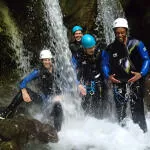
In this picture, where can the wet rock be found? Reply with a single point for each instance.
(20, 130)
(77, 12)
(10, 145)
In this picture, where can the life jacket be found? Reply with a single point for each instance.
(124, 59)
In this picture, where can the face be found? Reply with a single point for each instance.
(90, 51)
(47, 63)
(78, 35)
(121, 34)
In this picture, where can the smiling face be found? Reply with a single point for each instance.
(121, 34)
(47, 63)
(78, 35)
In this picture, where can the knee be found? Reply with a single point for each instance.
(57, 108)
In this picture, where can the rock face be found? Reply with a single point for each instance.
(18, 131)
(7, 53)
(77, 12)
(138, 14)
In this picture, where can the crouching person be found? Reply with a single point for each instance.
(43, 79)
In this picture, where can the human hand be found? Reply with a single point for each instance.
(82, 89)
(113, 79)
(57, 98)
(25, 96)
(136, 76)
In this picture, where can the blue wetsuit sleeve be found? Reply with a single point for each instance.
(145, 57)
(75, 64)
(105, 64)
(34, 74)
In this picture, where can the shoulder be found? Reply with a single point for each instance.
(35, 72)
(110, 47)
(133, 42)
(71, 43)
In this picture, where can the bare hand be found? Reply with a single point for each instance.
(26, 96)
(82, 89)
(136, 76)
(57, 98)
(113, 79)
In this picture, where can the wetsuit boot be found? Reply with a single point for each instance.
(9, 111)
(58, 115)
(138, 116)
(137, 105)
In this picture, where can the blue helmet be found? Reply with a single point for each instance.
(76, 28)
(88, 41)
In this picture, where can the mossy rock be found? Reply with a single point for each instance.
(21, 130)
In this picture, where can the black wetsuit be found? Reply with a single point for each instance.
(76, 49)
(89, 74)
(121, 60)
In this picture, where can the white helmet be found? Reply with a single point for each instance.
(45, 54)
(120, 22)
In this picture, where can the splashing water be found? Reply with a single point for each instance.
(92, 134)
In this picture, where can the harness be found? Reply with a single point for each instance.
(124, 95)
(94, 84)
(91, 88)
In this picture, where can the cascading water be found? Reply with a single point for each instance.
(59, 43)
(84, 132)
(108, 11)
(62, 54)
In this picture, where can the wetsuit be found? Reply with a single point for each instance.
(121, 60)
(76, 49)
(89, 74)
(46, 86)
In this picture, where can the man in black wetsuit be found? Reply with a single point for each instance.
(47, 89)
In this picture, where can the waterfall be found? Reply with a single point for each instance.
(108, 11)
(59, 44)
(62, 55)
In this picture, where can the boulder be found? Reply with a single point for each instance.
(20, 130)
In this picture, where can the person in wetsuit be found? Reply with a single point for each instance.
(126, 63)
(75, 45)
(90, 79)
(43, 78)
